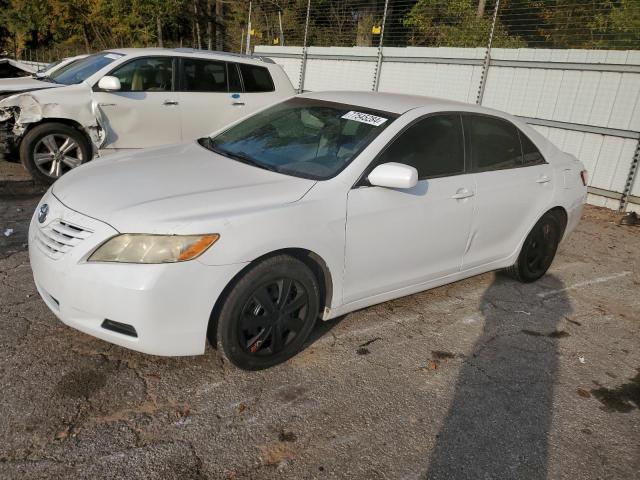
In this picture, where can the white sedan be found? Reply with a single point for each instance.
(318, 206)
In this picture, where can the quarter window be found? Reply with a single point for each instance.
(146, 75)
(434, 146)
(494, 143)
(530, 152)
(256, 79)
(203, 75)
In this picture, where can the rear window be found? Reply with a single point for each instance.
(256, 79)
(495, 143)
(203, 75)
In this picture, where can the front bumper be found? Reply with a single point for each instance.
(169, 305)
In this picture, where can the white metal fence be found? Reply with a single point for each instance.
(587, 102)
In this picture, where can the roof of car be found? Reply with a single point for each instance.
(189, 51)
(388, 102)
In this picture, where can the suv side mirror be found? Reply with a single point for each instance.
(109, 83)
(393, 175)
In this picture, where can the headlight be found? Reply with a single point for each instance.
(142, 248)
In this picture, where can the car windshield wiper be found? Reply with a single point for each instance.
(45, 78)
(242, 157)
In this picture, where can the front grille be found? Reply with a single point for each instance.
(58, 237)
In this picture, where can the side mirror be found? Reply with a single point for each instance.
(109, 83)
(393, 175)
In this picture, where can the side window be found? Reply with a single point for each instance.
(146, 75)
(434, 146)
(203, 75)
(494, 143)
(235, 85)
(530, 152)
(256, 79)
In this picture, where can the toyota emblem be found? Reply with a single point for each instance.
(43, 212)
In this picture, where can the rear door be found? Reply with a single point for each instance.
(514, 186)
(210, 96)
(145, 111)
(402, 237)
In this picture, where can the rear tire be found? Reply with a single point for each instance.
(268, 314)
(50, 150)
(538, 250)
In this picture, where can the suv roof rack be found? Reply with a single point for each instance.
(230, 54)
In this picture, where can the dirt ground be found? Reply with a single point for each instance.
(485, 378)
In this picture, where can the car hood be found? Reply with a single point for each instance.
(175, 189)
(12, 86)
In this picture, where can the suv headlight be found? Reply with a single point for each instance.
(143, 248)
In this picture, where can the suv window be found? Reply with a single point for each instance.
(256, 79)
(494, 143)
(151, 74)
(433, 145)
(203, 75)
(530, 152)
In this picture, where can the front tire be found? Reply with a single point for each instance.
(268, 314)
(538, 250)
(50, 150)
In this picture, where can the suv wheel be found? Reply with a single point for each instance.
(50, 150)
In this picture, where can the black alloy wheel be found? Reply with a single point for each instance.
(268, 314)
(539, 249)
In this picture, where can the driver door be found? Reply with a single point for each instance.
(145, 111)
(397, 238)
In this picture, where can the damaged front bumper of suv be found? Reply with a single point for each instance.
(71, 104)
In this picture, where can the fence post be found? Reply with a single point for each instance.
(248, 45)
(376, 73)
(487, 56)
(633, 170)
(303, 63)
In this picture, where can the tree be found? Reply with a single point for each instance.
(454, 23)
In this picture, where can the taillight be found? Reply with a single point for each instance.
(584, 176)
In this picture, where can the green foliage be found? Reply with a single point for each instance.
(88, 25)
(454, 23)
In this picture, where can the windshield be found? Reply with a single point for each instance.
(50, 66)
(302, 137)
(79, 71)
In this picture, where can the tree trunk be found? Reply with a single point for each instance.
(209, 25)
(481, 6)
(219, 25)
(85, 37)
(197, 24)
(365, 23)
(159, 27)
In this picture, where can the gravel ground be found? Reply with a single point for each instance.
(485, 378)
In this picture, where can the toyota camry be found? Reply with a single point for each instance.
(309, 209)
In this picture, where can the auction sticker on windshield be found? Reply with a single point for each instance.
(364, 118)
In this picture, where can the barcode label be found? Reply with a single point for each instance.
(364, 118)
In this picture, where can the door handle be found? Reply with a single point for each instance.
(238, 104)
(170, 102)
(543, 179)
(462, 193)
(106, 104)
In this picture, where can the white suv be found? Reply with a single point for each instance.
(132, 98)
